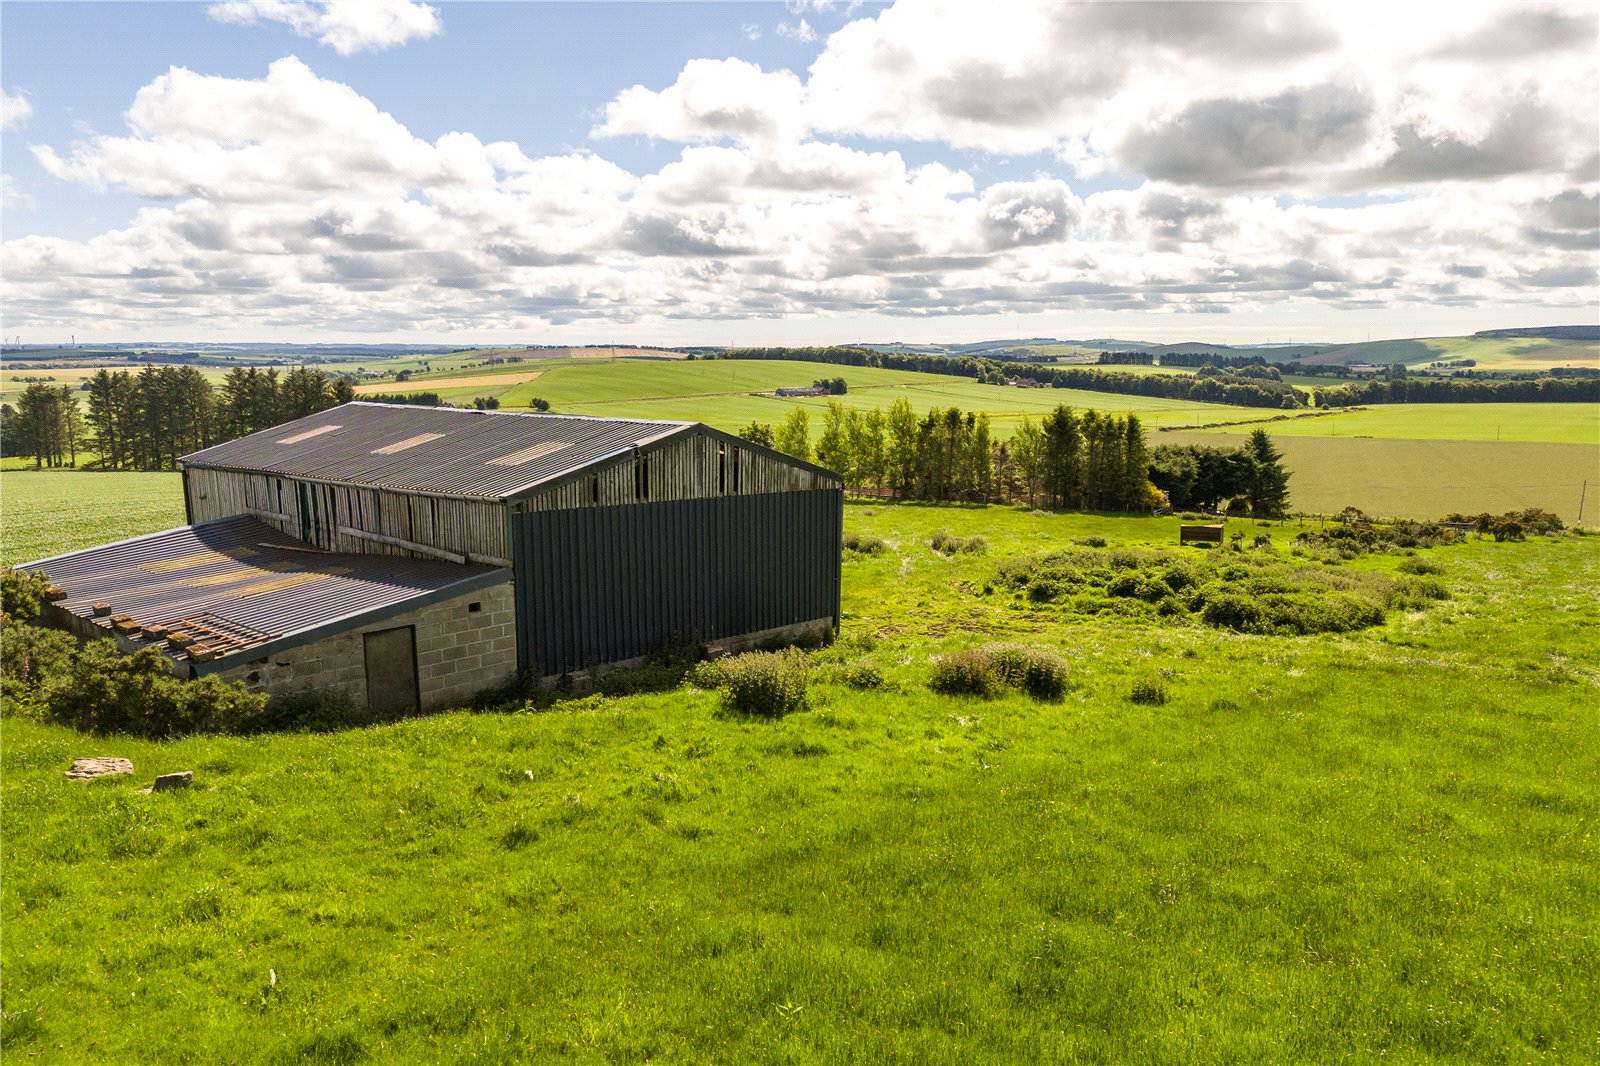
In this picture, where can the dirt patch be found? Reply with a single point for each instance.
(430, 384)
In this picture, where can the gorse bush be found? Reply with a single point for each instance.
(104, 691)
(22, 593)
(767, 684)
(986, 670)
(30, 656)
(1249, 592)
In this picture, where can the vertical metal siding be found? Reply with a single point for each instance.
(603, 584)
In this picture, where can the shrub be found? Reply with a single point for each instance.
(1414, 594)
(764, 683)
(108, 692)
(1151, 691)
(22, 593)
(949, 544)
(864, 545)
(984, 671)
(1091, 542)
(1420, 566)
(312, 710)
(968, 672)
(863, 675)
(30, 656)
(1039, 672)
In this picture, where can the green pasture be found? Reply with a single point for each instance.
(1376, 846)
(47, 512)
(1428, 479)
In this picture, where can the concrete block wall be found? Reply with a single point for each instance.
(459, 652)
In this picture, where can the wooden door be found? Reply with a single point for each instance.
(392, 672)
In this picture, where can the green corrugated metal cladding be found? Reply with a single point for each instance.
(603, 584)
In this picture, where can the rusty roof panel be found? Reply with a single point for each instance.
(240, 585)
(437, 450)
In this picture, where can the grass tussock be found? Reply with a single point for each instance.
(992, 668)
(946, 543)
(761, 684)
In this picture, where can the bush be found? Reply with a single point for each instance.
(764, 683)
(969, 672)
(1417, 593)
(1151, 691)
(22, 593)
(984, 671)
(864, 545)
(107, 692)
(861, 675)
(1420, 566)
(948, 544)
(313, 710)
(1039, 672)
(1091, 542)
(30, 656)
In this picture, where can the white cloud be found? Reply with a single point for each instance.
(291, 200)
(15, 110)
(1297, 98)
(12, 196)
(751, 31)
(712, 99)
(346, 26)
(797, 31)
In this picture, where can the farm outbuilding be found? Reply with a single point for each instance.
(547, 543)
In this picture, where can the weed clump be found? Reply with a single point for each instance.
(1150, 691)
(1090, 542)
(854, 542)
(949, 544)
(859, 675)
(766, 684)
(986, 670)
(1420, 566)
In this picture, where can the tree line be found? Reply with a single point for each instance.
(1225, 386)
(145, 421)
(1084, 460)
(1431, 389)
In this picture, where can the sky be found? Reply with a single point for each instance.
(795, 173)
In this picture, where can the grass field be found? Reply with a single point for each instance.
(1428, 478)
(1552, 423)
(47, 512)
(1373, 846)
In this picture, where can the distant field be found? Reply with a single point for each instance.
(1491, 353)
(47, 512)
(1553, 423)
(1428, 478)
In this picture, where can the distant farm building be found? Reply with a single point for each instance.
(1200, 534)
(809, 390)
(412, 556)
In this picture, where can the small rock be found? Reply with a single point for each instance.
(104, 766)
(181, 779)
(528, 774)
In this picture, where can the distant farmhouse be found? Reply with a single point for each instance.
(808, 390)
(412, 556)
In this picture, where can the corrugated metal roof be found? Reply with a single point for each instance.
(441, 450)
(241, 587)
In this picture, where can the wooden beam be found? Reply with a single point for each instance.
(269, 514)
(425, 549)
(492, 560)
